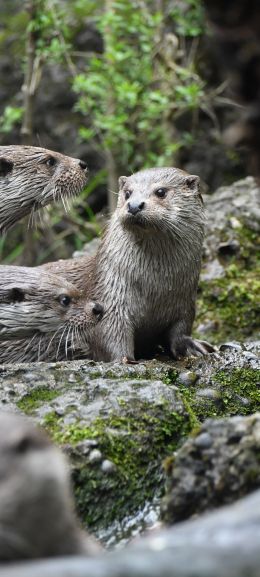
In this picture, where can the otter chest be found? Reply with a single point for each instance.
(152, 286)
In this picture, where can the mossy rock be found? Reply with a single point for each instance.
(228, 299)
(119, 422)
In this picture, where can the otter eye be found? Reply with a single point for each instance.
(50, 161)
(17, 295)
(64, 300)
(127, 194)
(161, 192)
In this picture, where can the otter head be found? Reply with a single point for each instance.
(32, 177)
(162, 199)
(34, 301)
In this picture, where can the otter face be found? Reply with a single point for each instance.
(33, 301)
(32, 177)
(162, 199)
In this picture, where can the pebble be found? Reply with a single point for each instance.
(231, 346)
(203, 441)
(31, 377)
(107, 466)
(187, 378)
(95, 456)
(250, 356)
(209, 394)
(85, 446)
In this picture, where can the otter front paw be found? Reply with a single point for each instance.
(186, 347)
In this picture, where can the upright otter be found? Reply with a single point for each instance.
(37, 517)
(147, 267)
(32, 177)
(37, 304)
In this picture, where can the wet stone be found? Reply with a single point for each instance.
(95, 456)
(230, 470)
(188, 378)
(232, 346)
(203, 441)
(107, 466)
(208, 393)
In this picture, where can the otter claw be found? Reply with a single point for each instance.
(187, 346)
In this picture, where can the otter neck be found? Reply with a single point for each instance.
(144, 257)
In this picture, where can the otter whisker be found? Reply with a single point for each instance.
(39, 348)
(52, 338)
(64, 330)
(66, 341)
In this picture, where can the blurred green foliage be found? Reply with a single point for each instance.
(129, 95)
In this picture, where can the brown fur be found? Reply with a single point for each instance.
(32, 177)
(49, 310)
(147, 267)
(37, 517)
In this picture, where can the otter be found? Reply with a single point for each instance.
(32, 177)
(48, 309)
(147, 267)
(37, 517)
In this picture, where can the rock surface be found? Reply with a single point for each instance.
(215, 467)
(118, 422)
(228, 303)
(221, 544)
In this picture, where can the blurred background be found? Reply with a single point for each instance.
(121, 84)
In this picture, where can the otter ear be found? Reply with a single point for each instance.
(193, 183)
(5, 166)
(121, 181)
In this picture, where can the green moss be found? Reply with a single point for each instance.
(237, 384)
(33, 400)
(171, 377)
(237, 391)
(232, 303)
(136, 442)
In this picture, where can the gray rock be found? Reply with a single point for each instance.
(221, 544)
(217, 466)
(187, 378)
(231, 346)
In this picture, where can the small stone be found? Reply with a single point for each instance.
(187, 378)
(107, 466)
(85, 446)
(151, 518)
(250, 356)
(235, 223)
(213, 270)
(29, 376)
(209, 394)
(72, 378)
(9, 391)
(208, 327)
(59, 411)
(203, 441)
(95, 456)
(230, 248)
(231, 346)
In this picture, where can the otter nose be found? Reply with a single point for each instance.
(135, 207)
(98, 310)
(83, 165)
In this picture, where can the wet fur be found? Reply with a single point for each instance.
(147, 268)
(37, 517)
(31, 311)
(28, 183)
